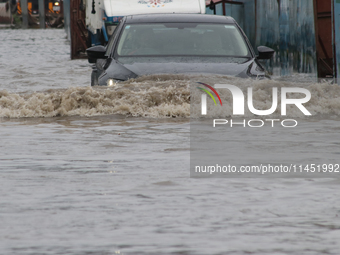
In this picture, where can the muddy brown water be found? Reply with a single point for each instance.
(106, 170)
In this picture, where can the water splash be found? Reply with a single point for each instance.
(161, 96)
(154, 97)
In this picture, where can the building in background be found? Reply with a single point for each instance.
(304, 33)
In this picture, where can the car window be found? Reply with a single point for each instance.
(182, 39)
(113, 38)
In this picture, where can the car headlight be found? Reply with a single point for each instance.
(111, 82)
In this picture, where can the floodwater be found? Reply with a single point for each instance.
(106, 170)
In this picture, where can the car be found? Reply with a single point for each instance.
(148, 44)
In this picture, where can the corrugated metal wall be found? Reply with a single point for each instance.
(337, 36)
(287, 26)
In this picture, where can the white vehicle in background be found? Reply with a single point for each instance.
(102, 16)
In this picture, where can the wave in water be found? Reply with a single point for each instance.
(159, 96)
(153, 97)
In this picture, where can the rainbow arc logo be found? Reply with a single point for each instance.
(209, 93)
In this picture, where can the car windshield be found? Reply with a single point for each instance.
(182, 39)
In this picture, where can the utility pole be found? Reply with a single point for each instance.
(42, 14)
(24, 13)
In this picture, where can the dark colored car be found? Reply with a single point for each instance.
(175, 44)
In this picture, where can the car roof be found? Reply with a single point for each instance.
(178, 18)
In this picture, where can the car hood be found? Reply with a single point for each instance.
(181, 65)
(125, 68)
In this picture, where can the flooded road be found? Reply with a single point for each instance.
(106, 171)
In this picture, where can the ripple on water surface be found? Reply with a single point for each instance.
(106, 170)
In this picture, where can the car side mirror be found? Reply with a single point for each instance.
(96, 52)
(265, 52)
